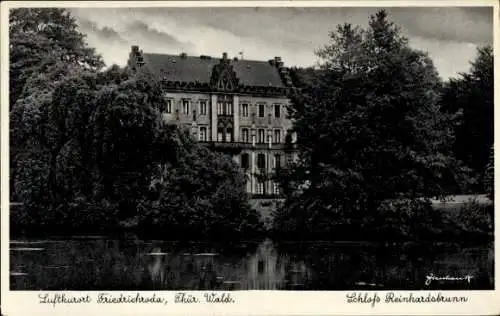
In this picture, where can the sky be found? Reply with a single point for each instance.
(449, 34)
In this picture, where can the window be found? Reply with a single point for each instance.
(185, 106)
(229, 134)
(277, 136)
(276, 188)
(203, 134)
(244, 135)
(245, 162)
(261, 110)
(220, 109)
(260, 266)
(277, 161)
(220, 134)
(203, 107)
(244, 110)
(229, 108)
(261, 135)
(261, 161)
(277, 110)
(168, 106)
(260, 187)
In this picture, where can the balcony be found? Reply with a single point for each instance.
(243, 145)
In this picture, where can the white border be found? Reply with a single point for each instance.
(248, 302)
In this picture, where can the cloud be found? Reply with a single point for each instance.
(447, 24)
(140, 30)
(292, 33)
(104, 33)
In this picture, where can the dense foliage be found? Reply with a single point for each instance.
(374, 143)
(489, 176)
(471, 96)
(90, 152)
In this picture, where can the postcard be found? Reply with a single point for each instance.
(249, 158)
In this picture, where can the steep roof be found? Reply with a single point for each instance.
(199, 69)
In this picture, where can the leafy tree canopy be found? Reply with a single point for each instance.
(471, 96)
(371, 128)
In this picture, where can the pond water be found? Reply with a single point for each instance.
(98, 263)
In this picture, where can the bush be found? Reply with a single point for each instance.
(475, 218)
(406, 219)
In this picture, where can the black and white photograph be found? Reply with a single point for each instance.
(222, 148)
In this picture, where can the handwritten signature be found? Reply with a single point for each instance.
(432, 277)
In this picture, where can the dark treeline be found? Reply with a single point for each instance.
(91, 154)
(379, 133)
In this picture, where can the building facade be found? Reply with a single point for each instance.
(235, 106)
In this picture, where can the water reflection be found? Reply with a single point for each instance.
(101, 264)
(262, 269)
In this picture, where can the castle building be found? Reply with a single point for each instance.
(233, 105)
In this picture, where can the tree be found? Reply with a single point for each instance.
(199, 194)
(45, 47)
(370, 130)
(471, 96)
(38, 38)
(489, 176)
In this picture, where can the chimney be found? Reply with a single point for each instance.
(224, 55)
(183, 55)
(277, 59)
(135, 49)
